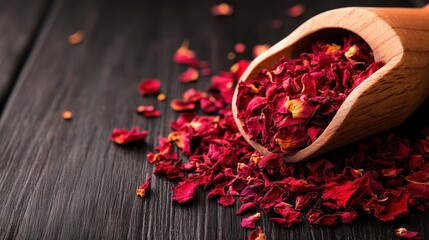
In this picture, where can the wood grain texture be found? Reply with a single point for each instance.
(66, 180)
(19, 23)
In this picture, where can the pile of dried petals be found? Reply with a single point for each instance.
(287, 107)
(385, 176)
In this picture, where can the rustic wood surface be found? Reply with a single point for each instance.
(20, 21)
(66, 180)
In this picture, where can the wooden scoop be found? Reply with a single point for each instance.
(399, 37)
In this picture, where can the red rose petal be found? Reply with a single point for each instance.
(182, 105)
(185, 191)
(257, 235)
(296, 10)
(189, 75)
(149, 86)
(239, 68)
(403, 233)
(185, 56)
(226, 201)
(239, 47)
(250, 221)
(222, 9)
(124, 136)
(142, 190)
(148, 111)
(289, 218)
(259, 49)
(246, 207)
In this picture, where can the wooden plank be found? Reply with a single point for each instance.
(66, 180)
(19, 22)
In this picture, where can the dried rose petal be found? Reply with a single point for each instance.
(250, 221)
(185, 191)
(142, 190)
(394, 205)
(296, 10)
(123, 136)
(246, 207)
(161, 97)
(239, 47)
(149, 86)
(148, 111)
(189, 75)
(403, 233)
(186, 56)
(67, 115)
(222, 9)
(239, 68)
(259, 49)
(226, 201)
(257, 235)
(289, 218)
(182, 105)
(76, 38)
(193, 95)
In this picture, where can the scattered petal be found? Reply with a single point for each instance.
(186, 56)
(239, 47)
(149, 86)
(142, 190)
(76, 38)
(161, 97)
(185, 191)
(124, 136)
(296, 10)
(259, 49)
(250, 221)
(67, 115)
(182, 105)
(189, 75)
(257, 235)
(403, 233)
(222, 9)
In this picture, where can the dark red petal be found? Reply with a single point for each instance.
(296, 10)
(189, 75)
(142, 190)
(222, 9)
(182, 105)
(403, 233)
(226, 201)
(250, 221)
(185, 191)
(123, 136)
(149, 86)
(246, 207)
(257, 235)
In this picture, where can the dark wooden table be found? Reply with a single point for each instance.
(66, 180)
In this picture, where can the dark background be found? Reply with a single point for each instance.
(66, 180)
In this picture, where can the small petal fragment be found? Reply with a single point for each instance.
(149, 86)
(142, 190)
(189, 75)
(250, 221)
(124, 136)
(222, 9)
(182, 105)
